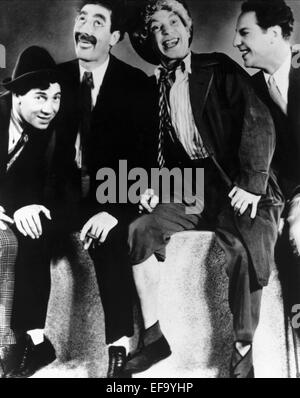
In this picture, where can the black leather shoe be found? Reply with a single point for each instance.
(34, 358)
(10, 356)
(117, 361)
(148, 355)
(241, 367)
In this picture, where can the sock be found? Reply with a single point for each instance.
(123, 341)
(153, 333)
(37, 335)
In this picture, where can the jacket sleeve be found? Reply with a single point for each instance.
(257, 137)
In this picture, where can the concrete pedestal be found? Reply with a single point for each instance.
(194, 316)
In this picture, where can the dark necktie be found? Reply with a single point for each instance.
(86, 112)
(167, 79)
(87, 85)
(13, 155)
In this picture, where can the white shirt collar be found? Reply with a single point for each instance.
(187, 62)
(281, 76)
(98, 76)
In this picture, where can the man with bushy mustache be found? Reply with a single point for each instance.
(100, 125)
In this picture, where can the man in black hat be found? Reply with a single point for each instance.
(101, 123)
(208, 117)
(26, 113)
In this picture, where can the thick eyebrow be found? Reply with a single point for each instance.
(40, 93)
(101, 16)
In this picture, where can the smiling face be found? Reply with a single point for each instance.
(170, 36)
(92, 34)
(39, 107)
(254, 43)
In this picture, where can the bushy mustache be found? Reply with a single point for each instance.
(84, 36)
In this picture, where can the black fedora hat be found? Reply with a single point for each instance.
(138, 31)
(33, 63)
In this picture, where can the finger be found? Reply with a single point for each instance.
(154, 201)
(140, 208)
(29, 227)
(243, 208)
(32, 225)
(104, 234)
(46, 212)
(4, 217)
(20, 227)
(87, 244)
(85, 230)
(37, 222)
(94, 228)
(232, 192)
(235, 200)
(145, 205)
(149, 192)
(254, 210)
(2, 209)
(2, 226)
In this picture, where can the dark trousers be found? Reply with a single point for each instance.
(32, 281)
(32, 287)
(288, 260)
(151, 233)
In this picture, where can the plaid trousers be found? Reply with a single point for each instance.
(8, 255)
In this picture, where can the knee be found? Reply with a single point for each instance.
(140, 230)
(8, 244)
(236, 256)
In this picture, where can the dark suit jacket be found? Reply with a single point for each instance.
(238, 131)
(286, 160)
(23, 184)
(118, 123)
(234, 125)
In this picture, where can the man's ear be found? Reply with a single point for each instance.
(275, 31)
(115, 37)
(19, 98)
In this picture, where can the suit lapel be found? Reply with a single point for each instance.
(294, 95)
(262, 87)
(5, 110)
(109, 81)
(200, 82)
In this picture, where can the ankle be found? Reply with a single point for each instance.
(151, 334)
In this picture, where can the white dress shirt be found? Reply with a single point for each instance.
(281, 77)
(181, 111)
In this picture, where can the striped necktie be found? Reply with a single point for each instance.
(14, 154)
(276, 96)
(167, 79)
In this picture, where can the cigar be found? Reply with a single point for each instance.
(90, 235)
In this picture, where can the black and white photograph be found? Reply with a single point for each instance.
(149, 191)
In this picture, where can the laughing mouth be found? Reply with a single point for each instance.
(44, 120)
(244, 52)
(171, 43)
